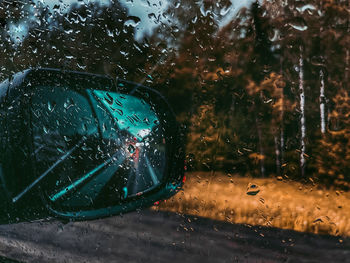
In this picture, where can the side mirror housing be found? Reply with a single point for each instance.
(81, 146)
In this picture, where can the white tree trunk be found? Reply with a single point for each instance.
(322, 104)
(347, 68)
(282, 119)
(302, 112)
(282, 144)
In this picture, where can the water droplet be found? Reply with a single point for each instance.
(82, 19)
(194, 19)
(68, 104)
(109, 32)
(84, 148)
(299, 24)
(224, 11)
(60, 150)
(119, 111)
(318, 61)
(51, 106)
(152, 15)
(252, 189)
(204, 11)
(175, 29)
(81, 66)
(309, 8)
(132, 21)
(124, 53)
(118, 103)
(318, 220)
(274, 35)
(109, 99)
(131, 148)
(68, 31)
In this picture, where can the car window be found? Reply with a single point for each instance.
(261, 92)
(61, 122)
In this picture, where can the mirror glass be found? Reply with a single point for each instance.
(95, 148)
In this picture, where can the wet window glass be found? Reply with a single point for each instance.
(260, 91)
(80, 169)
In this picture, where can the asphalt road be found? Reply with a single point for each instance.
(150, 236)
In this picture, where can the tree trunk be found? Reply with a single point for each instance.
(261, 148)
(347, 65)
(281, 120)
(302, 112)
(347, 55)
(278, 153)
(322, 104)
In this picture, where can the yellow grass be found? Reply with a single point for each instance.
(282, 204)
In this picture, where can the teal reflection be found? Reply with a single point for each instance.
(97, 148)
(130, 113)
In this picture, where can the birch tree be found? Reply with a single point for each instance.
(302, 112)
(322, 103)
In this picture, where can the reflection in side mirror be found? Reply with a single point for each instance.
(92, 148)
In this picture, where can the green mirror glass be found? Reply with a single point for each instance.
(95, 148)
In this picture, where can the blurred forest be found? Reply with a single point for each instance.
(267, 94)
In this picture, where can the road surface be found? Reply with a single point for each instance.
(151, 236)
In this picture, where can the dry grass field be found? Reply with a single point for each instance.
(267, 202)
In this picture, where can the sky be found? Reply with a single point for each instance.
(147, 11)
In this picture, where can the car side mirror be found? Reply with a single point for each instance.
(82, 146)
